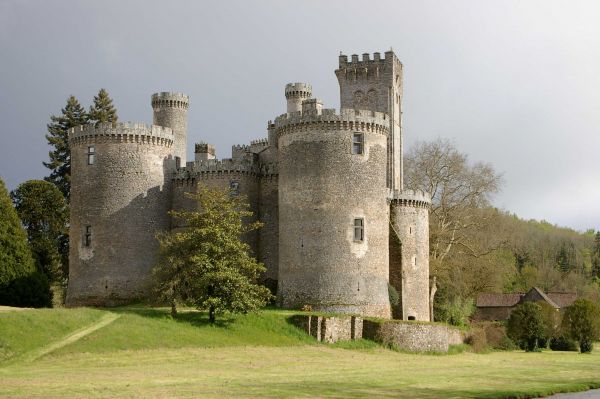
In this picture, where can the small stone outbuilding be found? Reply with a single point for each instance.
(492, 306)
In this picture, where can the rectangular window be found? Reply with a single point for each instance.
(91, 155)
(358, 143)
(359, 229)
(87, 239)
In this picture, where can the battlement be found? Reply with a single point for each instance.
(260, 142)
(226, 165)
(366, 61)
(298, 89)
(125, 132)
(170, 99)
(204, 148)
(364, 120)
(413, 198)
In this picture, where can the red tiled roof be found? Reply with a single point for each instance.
(492, 299)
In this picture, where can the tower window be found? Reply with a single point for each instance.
(234, 188)
(358, 143)
(91, 155)
(87, 238)
(359, 229)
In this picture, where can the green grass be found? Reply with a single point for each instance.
(145, 353)
(24, 331)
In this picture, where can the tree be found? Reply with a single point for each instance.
(206, 263)
(581, 322)
(596, 256)
(15, 256)
(462, 225)
(102, 110)
(526, 326)
(58, 137)
(458, 190)
(44, 213)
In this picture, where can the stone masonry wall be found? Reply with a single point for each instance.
(123, 197)
(375, 83)
(409, 336)
(323, 187)
(413, 337)
(244, 183)
(410, 222)
(170, 110)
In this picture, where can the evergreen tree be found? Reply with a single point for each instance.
(206, 263)
(562, 259)
(526, 326)
(582, 323)
(58, 137)
(102, 111)
(45, 215)
(596, 256)
(15, 256)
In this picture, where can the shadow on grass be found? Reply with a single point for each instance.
(190, 316)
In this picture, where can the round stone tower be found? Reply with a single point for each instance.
(170, 110)
(295, 93)
(333, 211)
(409, 252)
(120, 196)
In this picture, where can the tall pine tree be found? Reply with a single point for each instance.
(596, 256)
(102, 111)
(15, 256)
(58, 137)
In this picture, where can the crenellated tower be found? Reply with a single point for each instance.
(296, 93)
(120, 196)
(376, 84)
(170, 110)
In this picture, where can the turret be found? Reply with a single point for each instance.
(170, 110)
(376, 84)
(203, 152)
(295, 93)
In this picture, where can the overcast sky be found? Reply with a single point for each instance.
(512, 83)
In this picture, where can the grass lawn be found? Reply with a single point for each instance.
(143, 353)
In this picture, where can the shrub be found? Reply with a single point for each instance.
(393, 296)
(496, 337)
(582, 323)
(562, 343)
(526, 326)
(455, 312)
(477, 340)
(32, 291)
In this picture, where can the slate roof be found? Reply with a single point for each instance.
(494, 299)
(563, 299)
(545, 297)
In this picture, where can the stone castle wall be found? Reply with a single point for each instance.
(323, 187)
(409, 269)
(123, 197)
(302, 181)
(170, 110)
(376, 84)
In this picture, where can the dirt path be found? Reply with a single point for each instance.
(77, 335)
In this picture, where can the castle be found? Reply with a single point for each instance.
(328, 186)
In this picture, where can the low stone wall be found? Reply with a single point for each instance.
(455, 336)
(414, 337)
(405, 335)
(330, 329)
